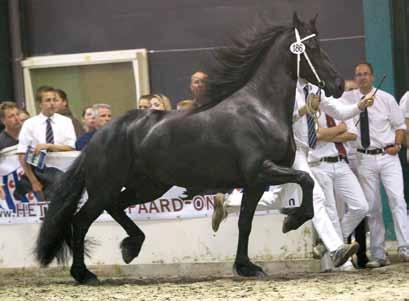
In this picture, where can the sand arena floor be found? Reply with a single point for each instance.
(388, 283)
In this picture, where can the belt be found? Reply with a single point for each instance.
(334, 159)
(375, 151)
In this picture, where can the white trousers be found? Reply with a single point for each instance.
(321, 220)
(386, 169)
(339, 183)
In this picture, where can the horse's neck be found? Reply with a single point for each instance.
(275, 86)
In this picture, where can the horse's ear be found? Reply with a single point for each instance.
(296, 20)
(313, 22)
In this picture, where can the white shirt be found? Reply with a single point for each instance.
(329, 105)
(384, 115)
(404, 104)
(326, 148)
(34, 129)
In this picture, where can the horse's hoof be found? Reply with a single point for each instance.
(261, 274)
(248, 270)
(130, 247)
(92, 281)
(292, 222)
(83, 276)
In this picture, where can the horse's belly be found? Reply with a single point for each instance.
(200, 172)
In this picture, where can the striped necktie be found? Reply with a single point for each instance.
(49, 135)
(312, 134)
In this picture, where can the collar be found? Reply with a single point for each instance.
(362, 95)
(301, 83)
(44, 118)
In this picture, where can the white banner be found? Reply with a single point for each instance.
(30, 209)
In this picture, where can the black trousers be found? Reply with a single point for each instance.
(360, 237)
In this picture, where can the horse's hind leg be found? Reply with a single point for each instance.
(80, 225)
(242, 265)
(276, 175)
(131, 245)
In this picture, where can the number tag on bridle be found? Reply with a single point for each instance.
(297, 48)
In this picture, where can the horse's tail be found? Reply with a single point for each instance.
(55, 237)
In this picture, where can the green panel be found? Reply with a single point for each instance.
(378, 48)
(113, 84)
(6, 83)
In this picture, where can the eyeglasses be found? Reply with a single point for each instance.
(362, 74)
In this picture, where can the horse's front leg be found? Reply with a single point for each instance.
(242, 265)
(277, 175)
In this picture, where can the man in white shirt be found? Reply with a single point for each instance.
(381, 130)
(404, 154)
(404, 106)
(333, 242)
(329, 164)
(47, 131)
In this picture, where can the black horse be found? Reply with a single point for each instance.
(242, 137)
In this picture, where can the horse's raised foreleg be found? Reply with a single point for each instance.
(273, 174)
(80, 225)
(242, 265)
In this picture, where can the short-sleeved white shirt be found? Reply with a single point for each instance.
(384, 116)
(326, 148)
(33, 131)
(334, 107)
(404, 104)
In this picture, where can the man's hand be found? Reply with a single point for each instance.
(393, 150)
(366, 102)
(40, 147)
(315, 102)
(350, 85)
(342, 127)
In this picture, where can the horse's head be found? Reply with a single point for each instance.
(331, 80)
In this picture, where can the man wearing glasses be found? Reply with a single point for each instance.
(381, 128)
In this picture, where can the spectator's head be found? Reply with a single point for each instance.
(9, 116)
(61, 101)
(364, 76)
(45, 97)
(23, 115)
(198, 84)
(160, 102)
(185, 105)
(144, 102)
(88, 118)
(103, 114)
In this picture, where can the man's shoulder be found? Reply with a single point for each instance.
(386, 96)
(63, 118)
(6, 140)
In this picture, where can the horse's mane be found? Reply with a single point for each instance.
(236, 64)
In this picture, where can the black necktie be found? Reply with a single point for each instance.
(49, 135)
(312, 134)
(364, 127)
